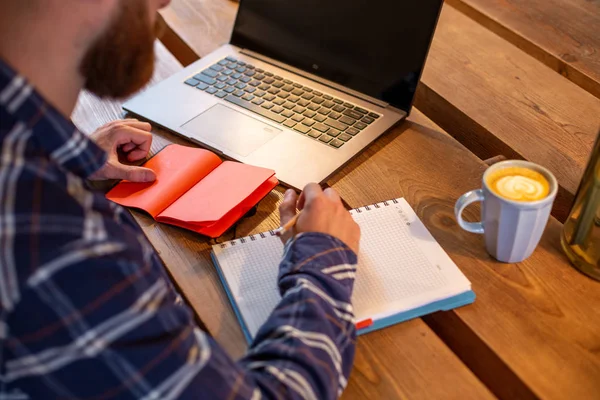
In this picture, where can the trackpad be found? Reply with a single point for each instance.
(230, 129)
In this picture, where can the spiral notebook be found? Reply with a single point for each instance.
(403, 273)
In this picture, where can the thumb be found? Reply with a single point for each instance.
(287, 209)
(134, 174)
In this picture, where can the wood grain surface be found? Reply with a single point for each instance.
(402, 366)
(497, 100)
(563, 34)
(535, 325)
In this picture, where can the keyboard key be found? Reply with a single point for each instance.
(274, 90)
(250, 89)
(232, 82)
(352, 131)
(211, 90)
(224, 62)
(258, 101)
(288, 88)
(259, 93)
(360, 125)
(336, 143)
(303, 102)
(325, 138)
(241, 63)
(347, 120)
(206, 79)
(344, 137)
(360, 110)
(336, 124)
(328, 104)
(373, 115)
(237, 75)
(317, 100)
(254, 108)
(283, 95)
(260, 77)
(320, 118)
(297, 92)
(317, 93)
(287, 113)
(269, 97)
(249, 66)
(260, 70)
(278, 84)
(277, 109)
(248, 97)
(298, 118)
(240, 85)
(211, 73)
(231, 59)
(348, 105)
(310, 114)
(289, 123)
(239, 93)
(229, 89)
(241, 70)
(268, 80)
(192, 82)
(294, 99)
(220, 85)
(353, 114)
(277, 78)
(264, 87)
(314, 134)
(297, 85)
(307, 89)
(308, 122)
(279, 101)
(268, 73)
(202, 86)
(314, 107)
(333, 132)
(302, 128)
(245, 79)
(287, 81)
(227, 72)
(324, 111)
(217, 68)
(250, 73)
(308, 96)
(268, 106)
(222, 78)
(221, 94)
(367, 120)
(288, 105)
(255, 83)
(339, 109)
(334, 115)
(327, 97)
(299, 110)
(338, 101)
(232, 65)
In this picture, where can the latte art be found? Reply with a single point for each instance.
(519, 184)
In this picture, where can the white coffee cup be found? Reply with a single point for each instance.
(512, 229)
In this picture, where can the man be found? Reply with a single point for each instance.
(87, 309)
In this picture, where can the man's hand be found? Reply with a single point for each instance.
(130, 137)
(323, 212)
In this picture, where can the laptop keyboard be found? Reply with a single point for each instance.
(315, 115)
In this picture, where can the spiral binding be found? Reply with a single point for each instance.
(264, 235)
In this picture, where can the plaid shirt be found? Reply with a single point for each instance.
(88, 311)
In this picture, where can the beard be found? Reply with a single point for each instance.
(121, 61)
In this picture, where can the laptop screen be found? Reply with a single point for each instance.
(374, 47)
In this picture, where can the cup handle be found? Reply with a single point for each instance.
(461, 204)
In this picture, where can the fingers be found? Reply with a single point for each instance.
(333, 195)
(132, 173)
(310, 192)
(134, 123)
(135, 142)
(287, 209)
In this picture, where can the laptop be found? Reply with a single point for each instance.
(303, 86)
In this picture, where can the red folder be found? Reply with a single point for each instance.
(195, 190)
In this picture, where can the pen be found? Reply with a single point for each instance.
(282, 230)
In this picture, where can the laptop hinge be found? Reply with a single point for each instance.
(315, 78)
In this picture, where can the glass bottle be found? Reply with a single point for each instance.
(581, 233)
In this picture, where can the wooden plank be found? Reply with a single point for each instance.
(563, 34)
(497, 100)
(534, 330)
(423, 356)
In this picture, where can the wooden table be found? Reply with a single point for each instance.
(534, 330)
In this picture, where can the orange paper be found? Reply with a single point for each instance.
(196, 191)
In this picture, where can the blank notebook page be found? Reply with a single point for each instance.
(401, 267)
